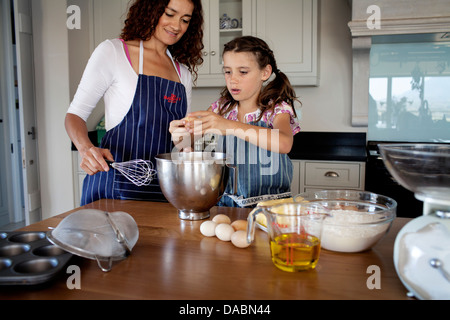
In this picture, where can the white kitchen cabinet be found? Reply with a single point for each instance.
(239, 13)
(288, 26)
(322, 175)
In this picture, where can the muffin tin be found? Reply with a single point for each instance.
(28, 258)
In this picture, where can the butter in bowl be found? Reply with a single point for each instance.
(261, 220)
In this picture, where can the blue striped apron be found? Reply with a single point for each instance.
(142, 134)
(262, 174)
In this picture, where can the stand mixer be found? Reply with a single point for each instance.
(422, 247)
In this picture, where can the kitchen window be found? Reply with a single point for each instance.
(409, 88)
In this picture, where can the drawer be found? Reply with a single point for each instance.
(326, 174)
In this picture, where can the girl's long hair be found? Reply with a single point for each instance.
(142, 19)
(276, 91)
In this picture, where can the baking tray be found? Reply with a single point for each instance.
(28, 258)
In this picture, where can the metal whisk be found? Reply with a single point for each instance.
(139, 172)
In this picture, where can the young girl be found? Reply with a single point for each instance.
(256, 122)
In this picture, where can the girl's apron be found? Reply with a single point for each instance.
(262, 175)
(143, 134)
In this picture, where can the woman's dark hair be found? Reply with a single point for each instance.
(143, 17)
(274, 93)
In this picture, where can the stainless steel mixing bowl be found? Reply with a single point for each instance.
(193, 182)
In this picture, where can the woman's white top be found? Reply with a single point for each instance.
(109, 74)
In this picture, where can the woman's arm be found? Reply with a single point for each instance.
(92, 158)
(279, 139)
(97, 77)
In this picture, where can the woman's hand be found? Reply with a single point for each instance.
(93, 160)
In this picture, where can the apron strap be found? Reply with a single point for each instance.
(126, 50)
(178, 69)
(141, 58)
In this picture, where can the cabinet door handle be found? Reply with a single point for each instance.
(213, 53)
(331, 174)
(205, 53)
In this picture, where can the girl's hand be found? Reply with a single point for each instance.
(207, 121)
(177, 126)
(180, 135)
(279, 139)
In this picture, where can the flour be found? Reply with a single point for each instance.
(352, 231)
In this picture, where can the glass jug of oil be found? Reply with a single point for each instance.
(295, 231)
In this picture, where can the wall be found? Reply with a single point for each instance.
(327, 107)
(81, 44)
(52, 98)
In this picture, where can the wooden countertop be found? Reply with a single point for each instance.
(173, 261)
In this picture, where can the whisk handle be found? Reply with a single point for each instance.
(110, 163)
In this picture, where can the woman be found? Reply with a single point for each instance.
(146, 81)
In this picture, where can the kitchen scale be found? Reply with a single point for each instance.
(422, 247)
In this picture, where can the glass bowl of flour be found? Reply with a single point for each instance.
(357, 220)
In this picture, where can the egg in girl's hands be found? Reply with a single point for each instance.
(188, 119)
(188, 122)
